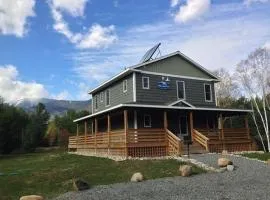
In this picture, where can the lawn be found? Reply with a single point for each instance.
(50, 174)
(259, 156)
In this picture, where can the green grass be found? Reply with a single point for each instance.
(50, 174)
(263, 156)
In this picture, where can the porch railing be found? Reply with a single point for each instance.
(230, 139)
(200, 138)
(174, 144)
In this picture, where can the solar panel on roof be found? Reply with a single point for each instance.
(148, 55)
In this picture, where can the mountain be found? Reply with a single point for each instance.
(54, 107)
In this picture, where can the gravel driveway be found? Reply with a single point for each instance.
(251, 180)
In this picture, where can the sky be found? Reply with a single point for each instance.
(61, 49)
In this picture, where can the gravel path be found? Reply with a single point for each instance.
(251, 180)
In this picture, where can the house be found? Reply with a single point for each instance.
(152, 108)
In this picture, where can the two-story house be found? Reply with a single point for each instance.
(151, 108)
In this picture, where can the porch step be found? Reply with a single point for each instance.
(195, 148)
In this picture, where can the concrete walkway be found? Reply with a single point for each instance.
(251, 180)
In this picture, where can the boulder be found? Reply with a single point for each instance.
(223, 162)
(32, 197)
(80, 184)
(185, 170)
(230, 168)
(268, 162)
(137, 177)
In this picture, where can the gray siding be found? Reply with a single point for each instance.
(178, 66)
(194, 90)
(117, 96)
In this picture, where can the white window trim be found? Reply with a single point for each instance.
(146, 88)
(184, 85)
(101, 96)
(106, 105)
(125, 83)
(211, 96)
(134, 87)
(96, 102)
(150, 120)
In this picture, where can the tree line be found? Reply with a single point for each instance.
(27, 131)
(248, 86)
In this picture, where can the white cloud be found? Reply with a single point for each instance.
(248, 2)
(14, 15)
(174, 3)
(62, 95)
(97, 36)
(228, 44)
(72, 7)
(12, 89)
(193, 9)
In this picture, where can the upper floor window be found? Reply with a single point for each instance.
(145, 82)
(181, 92)
(147, 121)
(208, 92)
(107, 97)
(96, 102)
(101, 96)
(124, 85)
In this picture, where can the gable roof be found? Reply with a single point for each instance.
(134, 68)
(182, 56)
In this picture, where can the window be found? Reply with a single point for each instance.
(107, 97)
(96, 102)
(124, 85)
(101, 96)
(147, 120)
(181, 92)
(207, 92)
(145, 82)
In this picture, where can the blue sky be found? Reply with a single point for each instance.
(63, 48)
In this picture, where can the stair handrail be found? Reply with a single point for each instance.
(200, 138)
(177, 139)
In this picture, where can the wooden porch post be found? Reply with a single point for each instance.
(108, 130)
(85, 131)
(165, 120)
(247, 127)
(92, 127)
(248, 131)
(126, 130)
(96, 130)
(222, 131)
(191, 124)
(77, 138)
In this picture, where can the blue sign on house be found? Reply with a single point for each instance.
(163, 85)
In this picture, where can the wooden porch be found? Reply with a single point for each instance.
(156, 142)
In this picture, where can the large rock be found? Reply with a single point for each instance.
(230, 168)
(223, 162)
(268, 162)
(137, 177)
(32, 197)
(185, 170)
(80, 184)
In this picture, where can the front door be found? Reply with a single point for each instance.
(183, 126)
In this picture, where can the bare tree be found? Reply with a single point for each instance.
(226, 89)
(254, 77)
